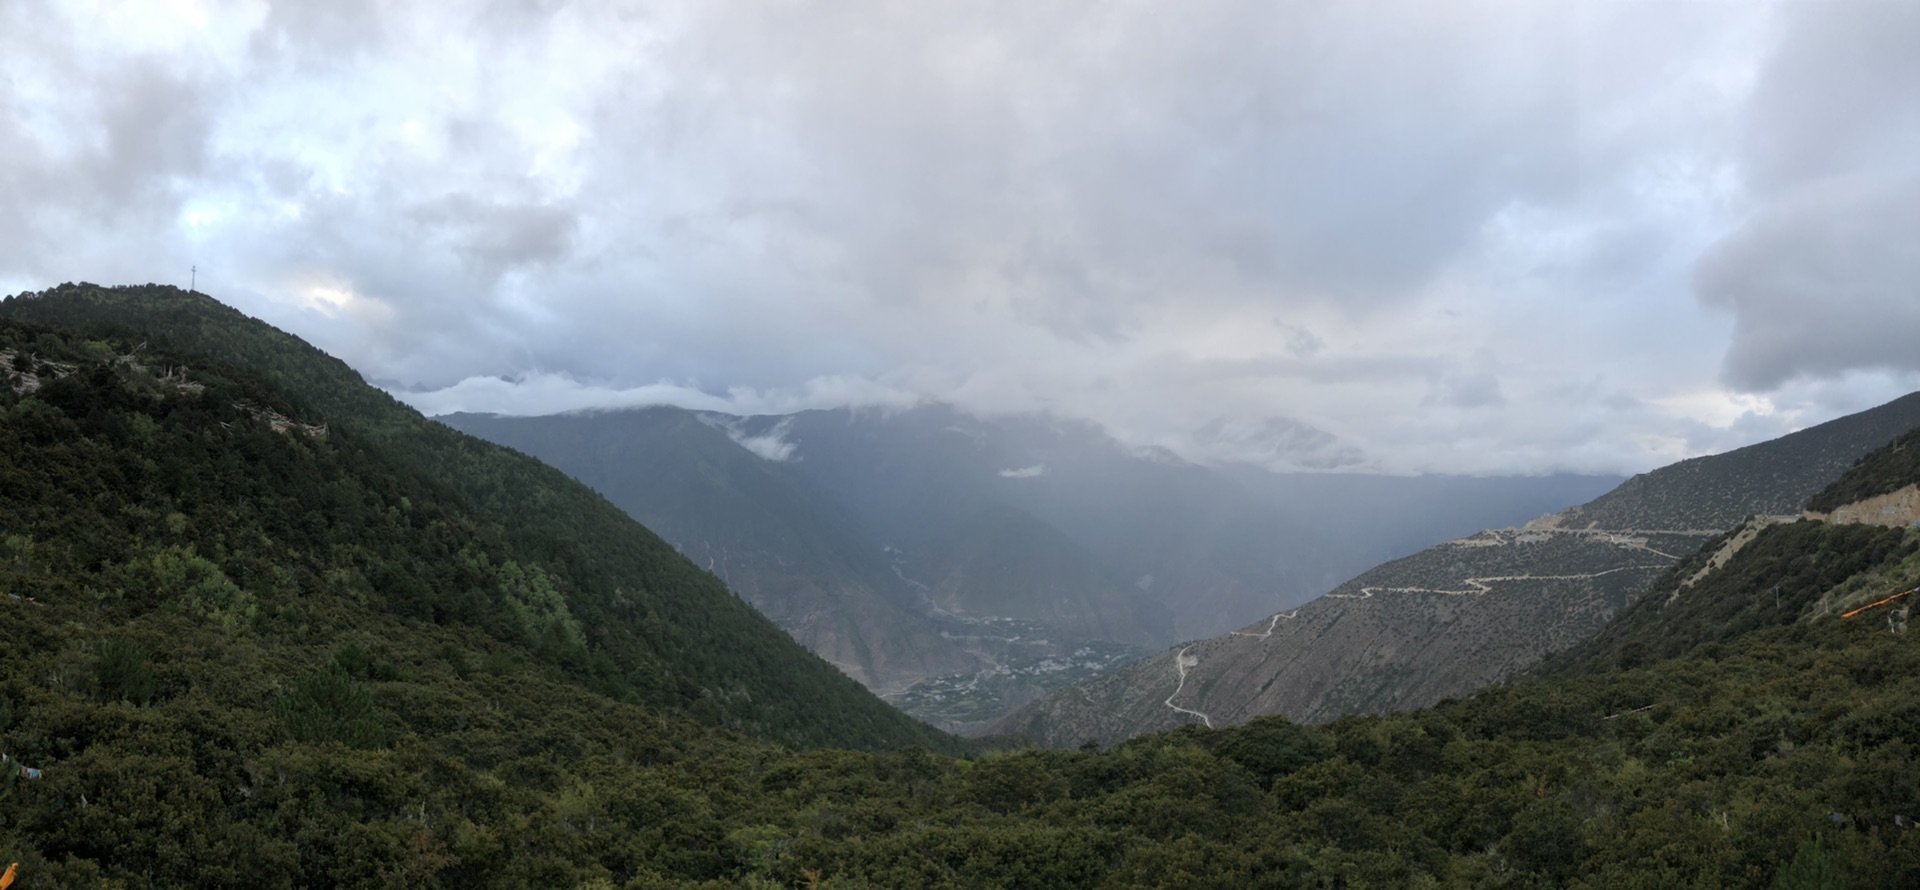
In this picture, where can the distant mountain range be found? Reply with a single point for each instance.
(957, 564)
(1456, 617)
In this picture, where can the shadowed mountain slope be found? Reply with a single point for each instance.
(1003, 561)
(1215, 545)
(742, 518)
(917, 478)
(988, 609)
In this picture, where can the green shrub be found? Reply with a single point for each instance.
(328, 705)
(120, 665)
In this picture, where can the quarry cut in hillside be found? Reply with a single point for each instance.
(1898, 508)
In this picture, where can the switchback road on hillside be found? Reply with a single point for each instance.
(1180, 663)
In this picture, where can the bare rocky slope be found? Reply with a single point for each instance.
(1460, 616)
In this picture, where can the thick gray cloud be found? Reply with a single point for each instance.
(493, 237)
(1836, 96)
(1276, 441)
(1822, 282)
(1471, 236)
(1823, 278)
(1079, 164)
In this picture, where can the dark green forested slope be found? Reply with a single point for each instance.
(672, 630)
(1781, 576)
(1785, 572)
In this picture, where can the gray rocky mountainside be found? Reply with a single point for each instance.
(962, 566)
(1467, 613)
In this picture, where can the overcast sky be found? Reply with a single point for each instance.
(1396, 236)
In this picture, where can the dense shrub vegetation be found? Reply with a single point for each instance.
(1786, 751)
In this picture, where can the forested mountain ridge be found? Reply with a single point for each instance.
(672, 631)
(1456, 617)
(200, 686)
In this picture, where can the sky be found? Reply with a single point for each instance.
(1406, 236)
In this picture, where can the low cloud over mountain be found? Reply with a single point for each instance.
(1469, 237)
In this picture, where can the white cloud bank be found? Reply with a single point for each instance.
(547, 392)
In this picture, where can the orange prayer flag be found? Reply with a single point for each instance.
(6, 880)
